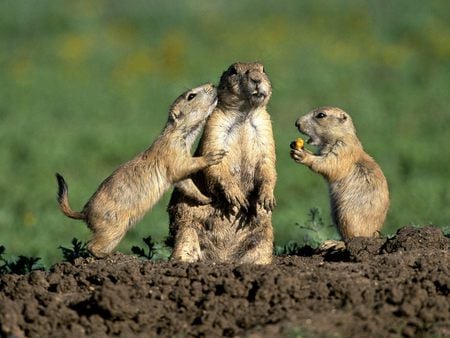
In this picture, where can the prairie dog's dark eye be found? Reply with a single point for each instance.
(321, 115)
(233, 70)
(191, 96)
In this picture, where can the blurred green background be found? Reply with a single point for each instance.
(86, 85)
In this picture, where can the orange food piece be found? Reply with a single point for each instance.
(299, 143)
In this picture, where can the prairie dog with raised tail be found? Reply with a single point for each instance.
(133, 188)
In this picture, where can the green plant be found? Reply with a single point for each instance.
(141, 252)
(3, 267)
(446, 231)
(24, 265)
(315, 232)
(155, 251)
(78, 250)
(293, 249)
(21, 266)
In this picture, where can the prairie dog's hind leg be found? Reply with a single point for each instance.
(105, 239)
(257, 248)
(187, 246)
(188, 188)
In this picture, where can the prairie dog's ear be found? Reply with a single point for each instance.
(260, 67)
(232, 70)
(343, 117)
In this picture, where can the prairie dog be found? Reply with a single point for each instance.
(237, 225)
(359, 193)
(132, 189)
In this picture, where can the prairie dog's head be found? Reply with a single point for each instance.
(192, 108)
(326, 125)
(189, 112)
(244, 84)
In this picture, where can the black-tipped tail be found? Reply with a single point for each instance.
(63, 201)
(62, 188)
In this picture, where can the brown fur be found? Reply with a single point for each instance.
(358, 189)
(123, 198)
(237, 225)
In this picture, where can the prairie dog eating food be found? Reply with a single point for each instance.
(359, 193)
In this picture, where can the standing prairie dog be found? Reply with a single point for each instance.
(358, 189)
(123, 198)
(237, 226)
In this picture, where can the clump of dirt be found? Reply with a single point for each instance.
(408, 239)
(385, 288)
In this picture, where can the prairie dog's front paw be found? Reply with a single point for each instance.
(236, 199)
(214, 157)
(299, 155)
(267, 200)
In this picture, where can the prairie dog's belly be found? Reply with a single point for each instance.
(352, 194)
(133, 190)
(246, 146)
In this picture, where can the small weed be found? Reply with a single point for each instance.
(156, 251)
(4, 262)
(315, 221)
(141, 252)
(293, 249)
(315, 232)
(24, 265)
(78, 250)
(21, 266)
(446, 231)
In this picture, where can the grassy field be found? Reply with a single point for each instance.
(85, 85)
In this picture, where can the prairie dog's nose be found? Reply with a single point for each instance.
(209, 87)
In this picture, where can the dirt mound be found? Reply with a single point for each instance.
(408, 239)
(384, 288)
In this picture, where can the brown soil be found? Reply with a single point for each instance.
(375, 288)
